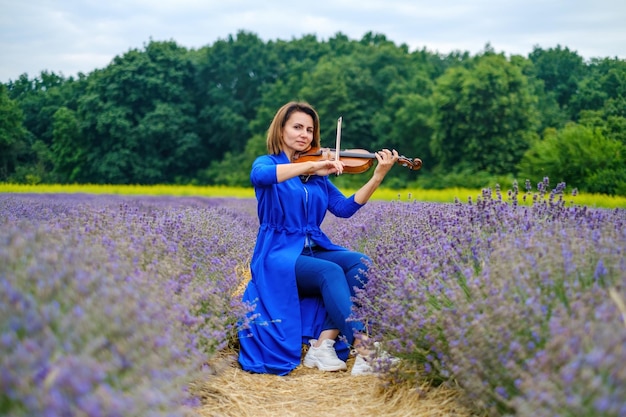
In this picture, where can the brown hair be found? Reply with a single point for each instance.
(275, 131)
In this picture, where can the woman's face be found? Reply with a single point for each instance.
(297, 133)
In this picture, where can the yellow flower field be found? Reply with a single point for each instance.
(442, 196)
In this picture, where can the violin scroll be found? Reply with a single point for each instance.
(412, 164)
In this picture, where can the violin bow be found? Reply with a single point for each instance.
(338, 143)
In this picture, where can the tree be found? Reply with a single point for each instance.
(561, 71)
(231, 73)
(403, 124)
(602, 89)
(484, 116)
(328, 90)
(578, 155)
(12, 134)
(166, 147)
(167, 114)
(68, 153)
(40, 97)
(234, 169)
(138, 118)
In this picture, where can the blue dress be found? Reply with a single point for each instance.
(288, 212)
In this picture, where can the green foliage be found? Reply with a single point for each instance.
(234, 169)
(40, 98)
(484, 117)
(166, 114)
(561, 71)
(12, 132)
(230, 74)
(607, 181)
(578, 155)
(67, 149)
(138, 118)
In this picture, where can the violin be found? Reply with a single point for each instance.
(356, 161)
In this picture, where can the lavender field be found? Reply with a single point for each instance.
(113, 306)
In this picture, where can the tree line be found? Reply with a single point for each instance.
(165, 114)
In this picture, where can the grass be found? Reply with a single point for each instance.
(383, 194)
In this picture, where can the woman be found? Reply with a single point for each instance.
(302, 284)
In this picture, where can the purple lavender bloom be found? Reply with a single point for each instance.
(467, 291)
(514, 303)
(91, 325)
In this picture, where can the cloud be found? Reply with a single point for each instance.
(71, 36)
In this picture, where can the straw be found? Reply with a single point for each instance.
(310, 392)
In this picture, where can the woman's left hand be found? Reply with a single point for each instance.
(386, 159)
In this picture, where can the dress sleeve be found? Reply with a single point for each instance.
(263, 172)
(339, 204)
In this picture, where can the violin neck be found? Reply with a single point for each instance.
(348, 154)
(364, 155)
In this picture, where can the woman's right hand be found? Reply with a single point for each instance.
(326, 167)
(321, 168)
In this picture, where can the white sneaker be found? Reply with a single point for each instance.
(324, 357)
(361, 367)
(384, 357)
(377, 361)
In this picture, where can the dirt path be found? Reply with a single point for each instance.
(309, 392)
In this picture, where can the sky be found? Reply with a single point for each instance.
(68, 37)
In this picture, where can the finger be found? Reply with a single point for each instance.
(386, 155)
(332, 164)
(338, 167)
